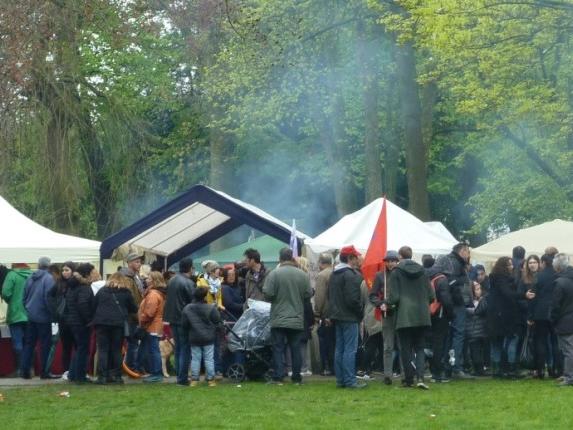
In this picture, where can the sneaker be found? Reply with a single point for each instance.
(306, 373)
(387, 381)
(275, 383)
(65, 375)
(363, 376)
(460, 374)
(439, 380)
(194, 383)
(212, 383)
(289, 373)
(422, 386)
(151, 379)
(357, 386)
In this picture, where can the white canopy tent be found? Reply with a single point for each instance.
(557, 233)
(25, 241)
(403, 229)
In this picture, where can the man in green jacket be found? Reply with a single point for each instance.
(410, 295)
(17, 318)
(286, 288)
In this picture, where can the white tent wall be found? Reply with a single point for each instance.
(403, 229)
(557, 233)
(25, 241)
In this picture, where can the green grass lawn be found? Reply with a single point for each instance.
(318, 404)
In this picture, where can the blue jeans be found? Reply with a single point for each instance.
(132, 354)
(458, 327)
(182, 353)
(345, 352)
(17, 333)
(36, 332)
(79, 363)
(206, 353)
(151, 345)
(507, 344)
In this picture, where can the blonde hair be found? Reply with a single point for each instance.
(157, 278)
(117, 280)
(303, 264)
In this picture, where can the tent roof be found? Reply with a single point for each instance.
(534, 239)
(403, 229)
(25, 241)
(267, 246)
(189, 222)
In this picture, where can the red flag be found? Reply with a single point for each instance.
(374, 259)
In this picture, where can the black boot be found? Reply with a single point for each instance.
(496, 371)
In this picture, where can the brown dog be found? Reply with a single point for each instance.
(166, 348)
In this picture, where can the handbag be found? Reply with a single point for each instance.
(126, 330)
(527, 355)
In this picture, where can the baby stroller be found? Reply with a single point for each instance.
(251, 336)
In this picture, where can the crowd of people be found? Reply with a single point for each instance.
(443, 318)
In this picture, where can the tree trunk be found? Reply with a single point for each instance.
(416, 154)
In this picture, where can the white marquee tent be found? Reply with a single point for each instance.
(557, 233)
(403, 229)
(24, 241)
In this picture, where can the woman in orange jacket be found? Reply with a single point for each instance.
(151, 320)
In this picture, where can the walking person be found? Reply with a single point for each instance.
(286, 288)
(345, 311)
(112, 305)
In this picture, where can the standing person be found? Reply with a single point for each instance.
(36, 302)
(151, 319)
(540, 312)
(345, 310)
(112, 304)
(378, 295)
(460, 290)
(562, 313)
(57, 295)
(440, 275)
(78, 316)
(200, 322)
(286, 288)
(325, 329)
(410, 295)
(480, 276)
(503, 322)
(231, 292)
(133, 356)
(517, 259)
(476, 331)
(180, 294)
(303, 265)
(17, 318)
(255, 278)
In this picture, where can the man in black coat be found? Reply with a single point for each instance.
(345, 310)
(179, 294)
(562, 313)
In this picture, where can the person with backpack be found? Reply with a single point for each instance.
(441, 314)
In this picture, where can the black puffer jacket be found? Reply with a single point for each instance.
(540, 308)
(503, 317)
(201, 322)
(107, 311)
(562, 303)
(344, 297)
(79, 302)
(476, 324)
(179, 294)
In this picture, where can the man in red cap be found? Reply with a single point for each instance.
(345, 311)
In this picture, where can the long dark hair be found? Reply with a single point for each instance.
(528, 275)
(501, 267)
